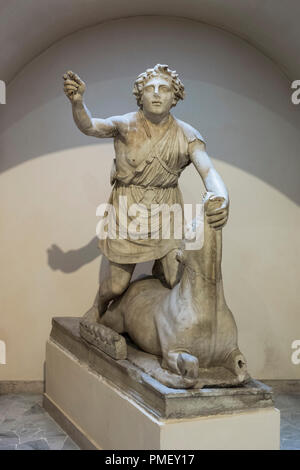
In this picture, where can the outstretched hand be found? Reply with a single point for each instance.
(74, 87)
(216, 210)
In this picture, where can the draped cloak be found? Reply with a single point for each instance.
(146, 170)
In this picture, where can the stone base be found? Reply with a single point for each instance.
(107, 404)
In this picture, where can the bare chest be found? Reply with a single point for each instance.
(135, 147)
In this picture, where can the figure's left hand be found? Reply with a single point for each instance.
(217, 214)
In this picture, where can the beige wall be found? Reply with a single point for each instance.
(53, 178)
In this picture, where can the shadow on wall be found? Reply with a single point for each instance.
(72, 260)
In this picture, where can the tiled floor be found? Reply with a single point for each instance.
(25, 425)
(287, 400)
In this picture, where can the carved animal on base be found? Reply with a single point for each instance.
(189, 326)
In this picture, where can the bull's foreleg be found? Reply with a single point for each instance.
(182, 363)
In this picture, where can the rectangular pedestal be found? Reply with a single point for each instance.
(97, 414)
(161, 401)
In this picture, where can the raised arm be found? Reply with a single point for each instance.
(74, 89)
(212, 182)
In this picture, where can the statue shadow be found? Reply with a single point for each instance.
(72, 260)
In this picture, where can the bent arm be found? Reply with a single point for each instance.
(203, 164)
(213, 182)
(93, 126)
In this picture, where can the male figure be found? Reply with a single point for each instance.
(152, 148)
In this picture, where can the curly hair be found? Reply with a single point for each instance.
(159, 69)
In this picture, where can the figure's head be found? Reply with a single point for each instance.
(159, 89)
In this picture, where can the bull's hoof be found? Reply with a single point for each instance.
(188, 365)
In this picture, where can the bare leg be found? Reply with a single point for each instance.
(112, 287)
(170, 267)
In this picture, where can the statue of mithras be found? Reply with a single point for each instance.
(178, 316)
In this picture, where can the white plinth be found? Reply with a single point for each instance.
(98, 415)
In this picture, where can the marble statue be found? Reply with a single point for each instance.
(179, 315)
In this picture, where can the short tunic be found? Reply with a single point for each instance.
(146, 171)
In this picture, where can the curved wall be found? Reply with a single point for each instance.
(53, 178)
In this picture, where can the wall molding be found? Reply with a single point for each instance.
(21, 386)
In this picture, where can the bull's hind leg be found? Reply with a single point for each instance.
(182, 363)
